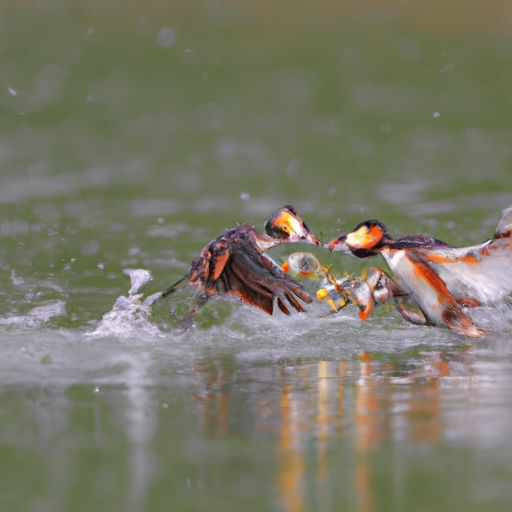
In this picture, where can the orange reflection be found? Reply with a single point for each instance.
(340, 419)
(290, 455)
(214, 395)
(323, 421)
(369, 428)
(375, 408)
(323, 418)
(313, 404)
(424, 412)
(329, 403)
(370, 413)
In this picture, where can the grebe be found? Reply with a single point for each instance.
(234, 263)
(441, 279)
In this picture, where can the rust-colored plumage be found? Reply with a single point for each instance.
(235, 264)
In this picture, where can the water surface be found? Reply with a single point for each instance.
(131, 136)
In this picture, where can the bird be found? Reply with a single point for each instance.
(441, 279)
(234, 263)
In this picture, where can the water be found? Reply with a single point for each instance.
(131, 136)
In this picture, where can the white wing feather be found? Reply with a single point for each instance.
(505, 224)
(482, 272)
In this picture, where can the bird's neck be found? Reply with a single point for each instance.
(265, 242)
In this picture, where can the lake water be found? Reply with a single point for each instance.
(131, 136)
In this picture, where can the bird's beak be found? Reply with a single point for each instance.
(299, 231)
(285, 267)
(337, 245)
(311, 239)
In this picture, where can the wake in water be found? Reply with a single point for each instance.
(133, 316)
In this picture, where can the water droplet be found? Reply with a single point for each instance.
(12, 92)
(436, 115)
(164, 405)
(101, 266)
(97, 389)
(160, 220)
(166, 37)
(244, 196)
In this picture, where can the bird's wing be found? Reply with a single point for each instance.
(504, 227)
(209, 265)
(481, 273)
(257, 280)
(240, 269)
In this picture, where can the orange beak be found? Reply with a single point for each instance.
(285, 267)
(337, 244)
(312, 239)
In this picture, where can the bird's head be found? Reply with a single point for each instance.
(287, 226)
(364, 240)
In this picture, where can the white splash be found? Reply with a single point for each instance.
(138, 278)
(130, 316)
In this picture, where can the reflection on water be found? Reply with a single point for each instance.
(363, 405)
(140, 425)
(291, 458)
(214, 395)
(199, 426)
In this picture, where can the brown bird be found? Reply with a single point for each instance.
(235, 264)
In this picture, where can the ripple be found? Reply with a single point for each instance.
(37, 316)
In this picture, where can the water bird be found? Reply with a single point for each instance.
(441, 279)
(234, 263)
